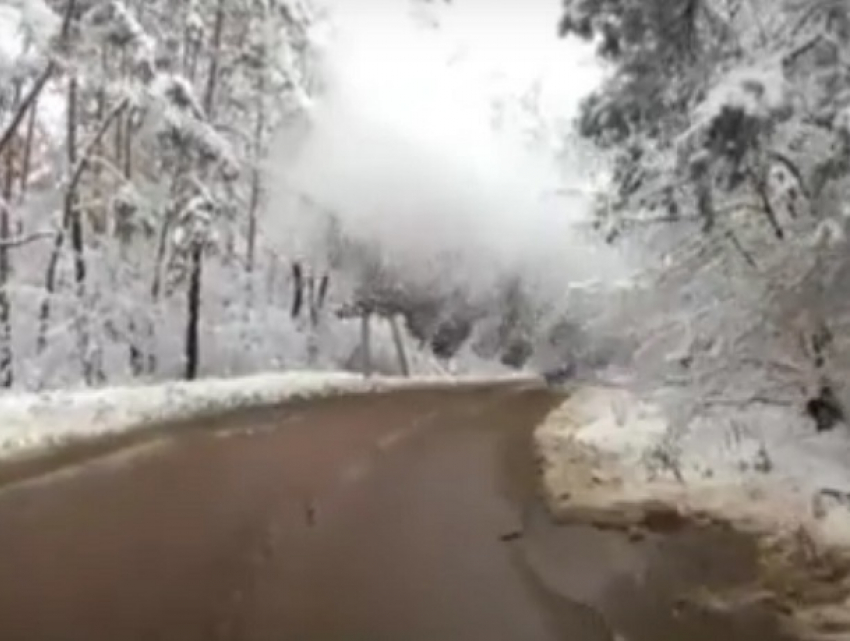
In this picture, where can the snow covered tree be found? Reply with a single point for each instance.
(166, 114)
(726, 124)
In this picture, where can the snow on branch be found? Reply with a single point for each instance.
(20, 241)
(92, 144)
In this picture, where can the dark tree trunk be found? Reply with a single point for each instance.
(7, 377)
(297, 290)
(193, 305)
(193, 320)
(92, 372)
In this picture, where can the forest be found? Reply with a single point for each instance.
(134, 229)
(131, 143)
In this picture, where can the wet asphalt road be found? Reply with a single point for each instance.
(409, 516)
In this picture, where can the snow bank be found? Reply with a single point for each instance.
(613, 459)
(32, 422)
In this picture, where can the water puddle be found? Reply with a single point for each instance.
(615, 585)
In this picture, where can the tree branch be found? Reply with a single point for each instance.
(38, 86)
(20, 241)
(81, 165)
(27, 103)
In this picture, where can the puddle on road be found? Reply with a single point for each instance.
(627, 586)
(655, 589)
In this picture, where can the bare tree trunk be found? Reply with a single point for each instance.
(72, 222)
(118, 141)
(159, 267)
(256, 178)
(49, 288)
(324, 286)
(122, 151)
(313, 298)
(26, 162)
(7, 377)
(193, 300)
(24, 107)
(91, 369)
(253, 207)
(212, 78)
(365, 344)
(52, 269)
(128, 147)
(194, 319)
(297, 290)
(403, 363)
(58, 243)
(191, 55)
(123, 158)
(317, 294)
(136, 353)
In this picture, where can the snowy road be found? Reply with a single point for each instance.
(406, 516)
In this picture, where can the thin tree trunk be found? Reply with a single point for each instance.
(194, 320)
(403, 363)
(297, 290)
(123, 154)
(365, 345)
(24, 107)
(26, 163)
(156, 284)
(7, 377)
(256, 178)
(161, 250)
(312, 297)
(324, 286)
(128, 146)
(193, 300)
(253, 207)
(72, 222)
(318, 295)
(73, 215)
(212, 78)
(58, 243)
(118, 141)
(49, 289)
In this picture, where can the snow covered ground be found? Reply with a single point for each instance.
(29, 423)
(611, 458)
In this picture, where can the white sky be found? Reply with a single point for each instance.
(402, 142)
(442, 82)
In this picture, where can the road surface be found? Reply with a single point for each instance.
(408, 516)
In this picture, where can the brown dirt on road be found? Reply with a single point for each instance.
(408, 516)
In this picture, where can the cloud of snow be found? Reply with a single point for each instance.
(403, 146)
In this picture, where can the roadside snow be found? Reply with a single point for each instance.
(612, 459)
(631, 453)
(30, 423)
